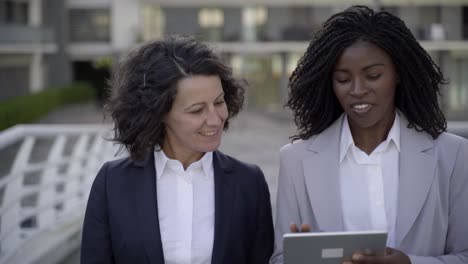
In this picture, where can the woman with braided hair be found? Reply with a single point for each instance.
(372, 151)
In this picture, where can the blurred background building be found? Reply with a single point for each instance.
(47, 43)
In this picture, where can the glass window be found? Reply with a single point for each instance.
(253, 21)
(153, 23)
(211, 21)
(263, 73)
(89, 25)
(458, 98)
(14, 12)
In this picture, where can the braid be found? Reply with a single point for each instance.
(311, 97)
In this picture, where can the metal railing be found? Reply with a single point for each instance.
(45, 176)
(46, 172)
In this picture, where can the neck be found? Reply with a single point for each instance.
(367, 139)
(185, 157)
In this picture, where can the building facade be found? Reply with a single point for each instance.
(261, 39)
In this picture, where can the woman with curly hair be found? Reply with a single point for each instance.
(176, 198)
(371, 151)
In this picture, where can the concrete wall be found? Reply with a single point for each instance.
(232, 30)
(125, 25)
(58, 65)
(181, 21)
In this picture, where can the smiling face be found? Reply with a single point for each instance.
(364, 81)
(196, 120)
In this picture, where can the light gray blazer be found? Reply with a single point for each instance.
(432, 210)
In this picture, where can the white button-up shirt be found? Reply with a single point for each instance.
(369, 183)
(186, 209)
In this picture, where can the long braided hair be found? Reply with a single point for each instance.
(311, 98)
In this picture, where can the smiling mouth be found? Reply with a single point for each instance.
(361, 108)
(209, 133)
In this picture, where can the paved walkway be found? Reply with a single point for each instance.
(252, 137)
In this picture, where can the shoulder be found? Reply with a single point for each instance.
(296, 149)
(449, 142)
(117, 168)
(229, 162)
(118, 164)
(316, 143)
(296, 146)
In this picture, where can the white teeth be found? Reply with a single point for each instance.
(210, 133)
(361, 106)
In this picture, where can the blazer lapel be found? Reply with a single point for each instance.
(148, 217)
(417, 170)
(224, 200)
(321, 172)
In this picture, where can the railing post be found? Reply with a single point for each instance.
(76, 172)
(47, 195)
(11, 217)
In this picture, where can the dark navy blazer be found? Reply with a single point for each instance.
(121, 223)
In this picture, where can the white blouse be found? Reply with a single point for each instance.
(369, 183)
(186, 209)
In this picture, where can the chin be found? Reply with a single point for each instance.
(210, 147)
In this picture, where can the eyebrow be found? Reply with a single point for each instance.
(365, 68)
(201, 103)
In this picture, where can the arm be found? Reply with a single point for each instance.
(456, 241)
(456, 244)
(287, 206)
(263, 240)
(96, 241)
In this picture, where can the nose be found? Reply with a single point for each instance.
(358, 88)
(212, 117)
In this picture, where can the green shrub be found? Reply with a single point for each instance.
(28, 108)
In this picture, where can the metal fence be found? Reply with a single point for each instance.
(45, 176)
(46, 172)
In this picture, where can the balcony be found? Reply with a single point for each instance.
(26, 39)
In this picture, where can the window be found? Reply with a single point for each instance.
(458, 99)
(153, 22)
(14, 12)
(253, 21)
(211, 21)
(89, 25)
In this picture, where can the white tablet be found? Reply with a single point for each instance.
(330, 247)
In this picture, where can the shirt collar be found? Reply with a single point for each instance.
(207, 162)
(394, 133)
(347, 141)
(161, 160)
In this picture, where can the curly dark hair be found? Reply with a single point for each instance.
(145, 85)
(311, 97)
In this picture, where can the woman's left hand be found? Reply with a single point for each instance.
(392, 256)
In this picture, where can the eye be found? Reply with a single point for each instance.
(219, 102)
(373, 76)
(196, 111)
(342, 81)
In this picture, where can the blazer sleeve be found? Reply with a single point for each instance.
(456, 244)
(96, 240)
(264, 236)
(287, 205)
